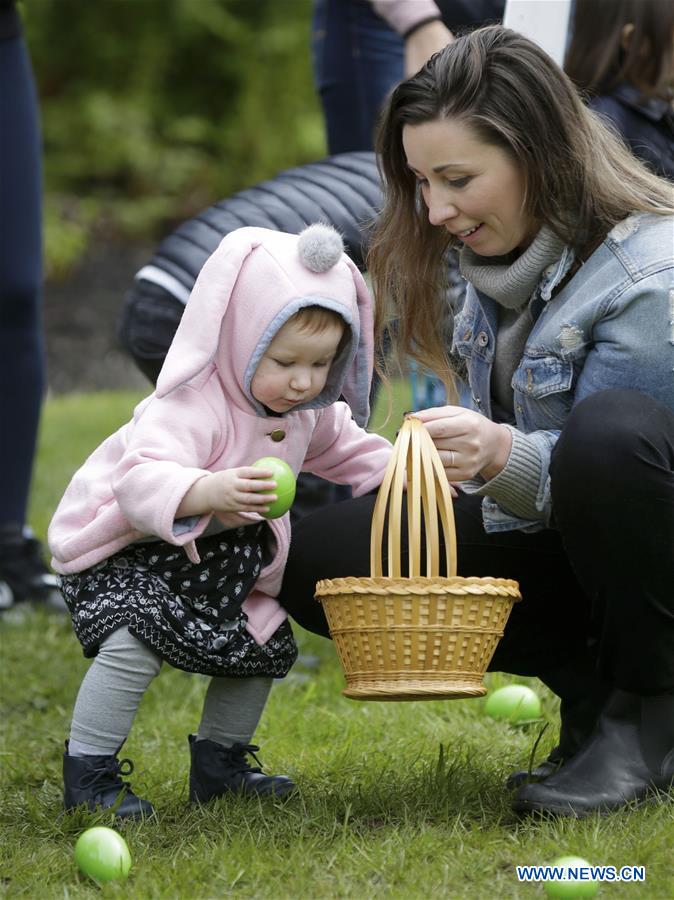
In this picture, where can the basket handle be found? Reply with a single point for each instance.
(428, 495)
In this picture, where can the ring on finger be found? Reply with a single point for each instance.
(451, 461)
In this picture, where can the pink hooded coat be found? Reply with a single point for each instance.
(203, 418)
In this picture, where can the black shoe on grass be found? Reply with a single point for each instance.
(218, 770)
(24, 577)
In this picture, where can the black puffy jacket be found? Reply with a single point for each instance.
(342, 190)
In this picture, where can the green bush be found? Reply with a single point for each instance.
(154, 109)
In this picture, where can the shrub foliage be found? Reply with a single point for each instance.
(153, 109)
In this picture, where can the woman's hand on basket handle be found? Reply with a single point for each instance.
(452, 490)
(469, 443)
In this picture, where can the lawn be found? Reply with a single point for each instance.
(399, 800)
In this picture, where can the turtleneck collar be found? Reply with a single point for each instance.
(511, 283)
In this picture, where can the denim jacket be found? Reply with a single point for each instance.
(610, 326)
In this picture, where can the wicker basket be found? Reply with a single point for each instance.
(414, 636)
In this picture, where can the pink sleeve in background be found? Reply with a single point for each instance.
(403, 15)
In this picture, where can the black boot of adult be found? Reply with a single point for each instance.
(96, 782)
(218, 770)
(629, 758)
(578, 721)
(583, 695)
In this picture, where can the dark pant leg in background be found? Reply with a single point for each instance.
(357, 59)
(22, 373)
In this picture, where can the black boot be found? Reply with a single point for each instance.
(95, 780)
(543, 770)
(217, 770)
(583, 695)
(23, 573)
(578, 721)
(629, 757)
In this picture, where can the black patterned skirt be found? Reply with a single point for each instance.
(188, 614)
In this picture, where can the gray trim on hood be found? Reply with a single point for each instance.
(340, 365)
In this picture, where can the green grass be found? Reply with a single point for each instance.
(398, 800)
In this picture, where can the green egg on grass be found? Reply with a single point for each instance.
(514, 703)
(285, 485)
(102, 854)
(576, 882)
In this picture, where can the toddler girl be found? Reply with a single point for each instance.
(159, 539)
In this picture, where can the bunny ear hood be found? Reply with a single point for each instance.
(248, 289)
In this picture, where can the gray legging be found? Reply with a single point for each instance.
(114, 685)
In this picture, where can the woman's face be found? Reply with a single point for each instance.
(471, 188)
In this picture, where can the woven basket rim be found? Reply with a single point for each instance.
(416, 585)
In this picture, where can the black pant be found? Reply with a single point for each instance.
(22, 374)
(598, 586)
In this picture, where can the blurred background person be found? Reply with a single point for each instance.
(23, 574)
(621, 56)
(362, 48)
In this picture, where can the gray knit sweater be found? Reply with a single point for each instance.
(511, 284)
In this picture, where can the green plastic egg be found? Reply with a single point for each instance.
(102, 854)
(285, 485)
(513, 703)
(570, 890)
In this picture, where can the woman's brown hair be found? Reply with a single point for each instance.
(598, 58)
(579, 178)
